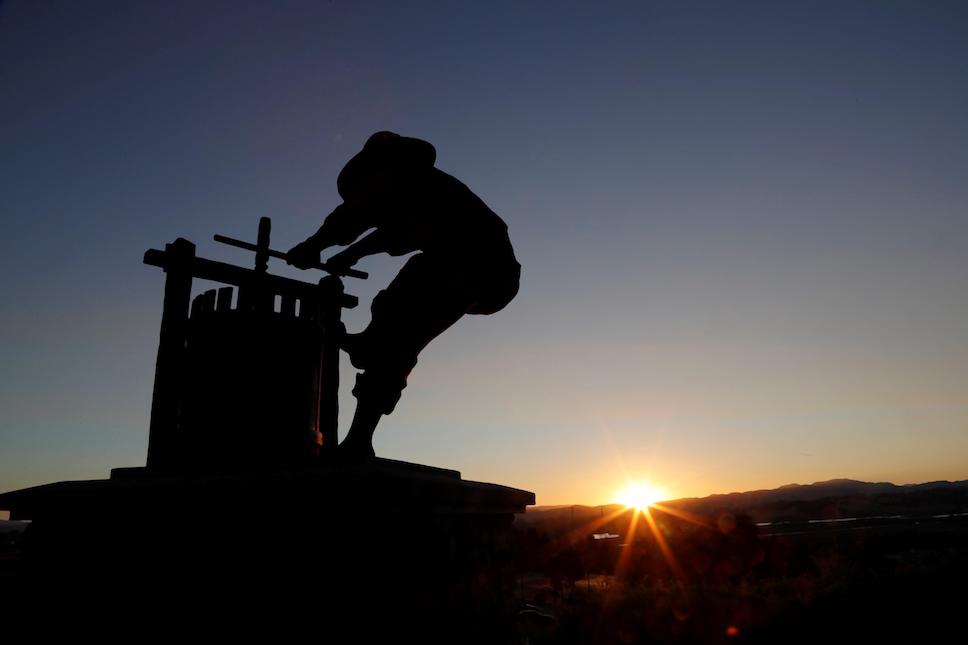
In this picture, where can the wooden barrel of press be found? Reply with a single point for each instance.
(251, 388)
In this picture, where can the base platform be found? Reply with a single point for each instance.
(430, 553)
(382, 485)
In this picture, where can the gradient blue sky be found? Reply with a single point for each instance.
(743, 225)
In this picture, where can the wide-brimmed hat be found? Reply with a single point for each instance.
(385, 153)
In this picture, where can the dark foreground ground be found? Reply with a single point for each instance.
(702, 581)
(868, 581)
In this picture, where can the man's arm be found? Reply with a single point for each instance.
(346, 223)
(342, 226)
(376, 242)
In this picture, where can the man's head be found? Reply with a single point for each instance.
(385, 160)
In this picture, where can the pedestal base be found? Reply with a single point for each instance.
(371, 551)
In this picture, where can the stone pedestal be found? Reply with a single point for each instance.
(384, 549)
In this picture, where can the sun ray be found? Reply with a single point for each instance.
(626, 553)
(685, 515)
(642, 497)
(664, 546)
(580, 533)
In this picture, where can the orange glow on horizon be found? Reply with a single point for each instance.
(639, 495)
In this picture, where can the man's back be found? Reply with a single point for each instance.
(438, 214)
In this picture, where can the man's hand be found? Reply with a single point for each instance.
(304, 255)
(343, 260)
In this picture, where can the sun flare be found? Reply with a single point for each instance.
(640, 495)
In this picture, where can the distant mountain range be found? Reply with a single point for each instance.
(797, 502)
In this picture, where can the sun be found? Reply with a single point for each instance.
(640, 495)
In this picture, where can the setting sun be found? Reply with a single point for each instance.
(640, 495)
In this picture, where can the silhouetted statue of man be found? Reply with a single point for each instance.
(465, 265)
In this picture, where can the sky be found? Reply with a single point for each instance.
(742, 225)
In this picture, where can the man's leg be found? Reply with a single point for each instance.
(358, 445)
(377, 393)
(418, 305)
